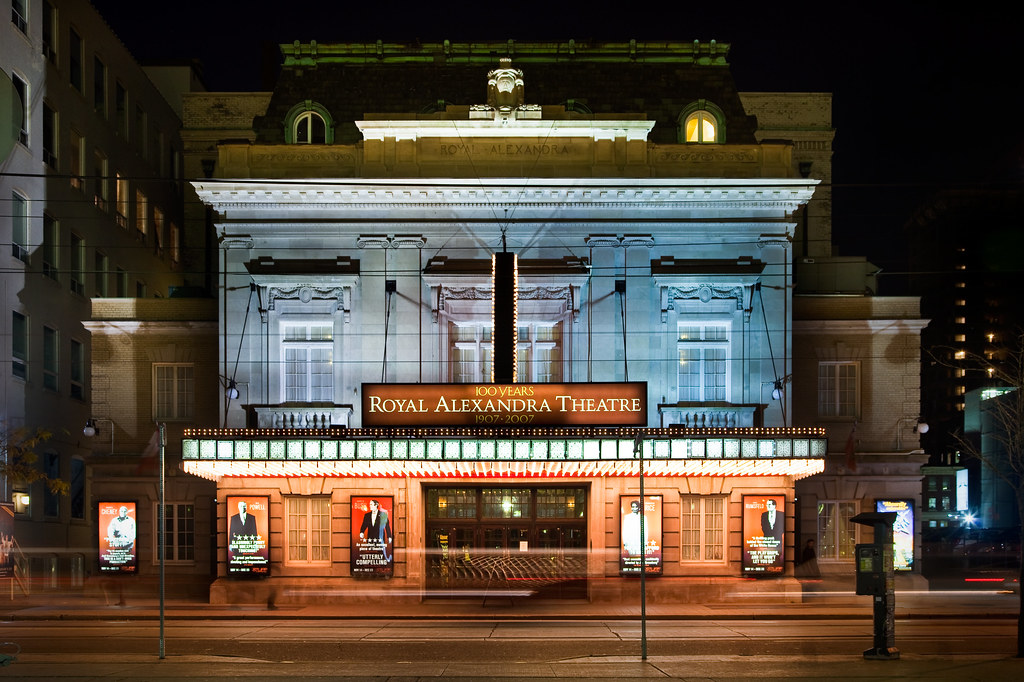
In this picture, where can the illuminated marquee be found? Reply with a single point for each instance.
(582, 404)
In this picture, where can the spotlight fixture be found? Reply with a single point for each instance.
(232, 390)
(90, 429)
(921, 426)
(777, 390)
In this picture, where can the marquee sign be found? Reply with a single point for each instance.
(576, 404)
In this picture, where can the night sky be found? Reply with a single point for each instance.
(924, 98)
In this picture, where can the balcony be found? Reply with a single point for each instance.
(300, 416)
(699, 415)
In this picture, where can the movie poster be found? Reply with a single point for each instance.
(902, 532)
(630, 544)
(117, 535)
(764, 535)
(248, 535)
(373, 537)
(6, 540)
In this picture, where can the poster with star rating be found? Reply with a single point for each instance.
(248, 535)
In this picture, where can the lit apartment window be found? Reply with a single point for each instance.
(50, 32)
(837, 535)
(77, 370)
(101, 193)
(959, 355)
(123, 198)
(960, 320)
(960, 338)
(702, 528)
(76, 264)
(49, 136)
(51, 355)
(838, 389)
(961, 302)
(960, 285)
(141, 214)
(19, 15)
(990, 337)
(959, 390)
(179, 532)
(21, 102)
(99, 86)
(959, 373)
(19, 227)
(77, 160)
(701, 126)
(75, 63)
(173, 391)
(51, 247)
(19, 345)
(308, 529)
(703, 370)
(961, 266)
(307, 353)
(121, 108)
(101, 264)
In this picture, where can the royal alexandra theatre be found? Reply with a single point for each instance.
(451, 357)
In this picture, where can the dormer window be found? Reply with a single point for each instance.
(702, 123)
(309, 123)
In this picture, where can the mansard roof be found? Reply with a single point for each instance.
(656, 80)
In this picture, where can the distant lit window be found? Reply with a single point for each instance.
(960, 337)
(960, 285)
(701, 123)
(961, 266)
(838, 389)
(701, 127)
(837, 534)
(309, 123)
(961, 302)
(960, 320)
(173, 391)
(702, 526)
(959, 355)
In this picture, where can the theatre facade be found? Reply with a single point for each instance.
(504, 344)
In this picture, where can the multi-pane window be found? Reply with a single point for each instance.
(701, 126)
(837, 389)
(179, 532)
(49, 136)
(121, 108)
(99, 86)
(561, 503)
(51, 500)
(77, 370)
(539, 358)
(837, 534)
(76, 495)
(308, 529)
(19, 15)
(470, 352)
(51, 355)
(703, 361)
(19, 345)
(49, 32)
(19, 227)
(75, 62)
(451, 503)
(77, 160)
(308, 351)
(173, 391)
(101, 194)
(702, 528)
(141, 213)
(51, 245)
(21, 102)
(76, 264)
(310, 128)
(123, 198)
(101, 264)
(505, 503)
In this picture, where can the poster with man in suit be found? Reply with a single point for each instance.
(764, 535)
(248, 532)
(373, 539)
(117, 532)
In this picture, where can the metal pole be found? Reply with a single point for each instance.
(639, 451)
(161, 542)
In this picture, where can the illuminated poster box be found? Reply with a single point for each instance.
(902, 532)
(575, 404)
(764, 535)
(117, 535)
(248, 535)
(631, 555)
(373, 537)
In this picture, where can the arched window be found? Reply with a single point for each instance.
(702, 123)
(309, 123)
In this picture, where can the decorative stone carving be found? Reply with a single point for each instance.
(505, 86)
(704, 293)
(305, 294)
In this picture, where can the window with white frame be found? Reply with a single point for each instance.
(310, 128)
(49, 46)
(308, 529)
(19, 345)
(539, 358)
(703, 370)
(838, 389)
(179, 532)
(19, 227)
(837, 534)
(50, 137)
(307, 350)
(702, 528)
(51, 245)
(701, 126)
(173, 391)
(21, 101)
(19, 15)
(470, 351)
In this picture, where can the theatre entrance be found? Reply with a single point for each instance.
(526, 541)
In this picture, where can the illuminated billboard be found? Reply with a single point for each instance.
(373, 537)
(902, 532)
(248, 535)
(634, 552)
(117, 535)
(764, 535)
(577, 404)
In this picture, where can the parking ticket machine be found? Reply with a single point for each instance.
(875, 577)
(870, 569)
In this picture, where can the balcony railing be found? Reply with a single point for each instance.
(302, 416)
(698, 416)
